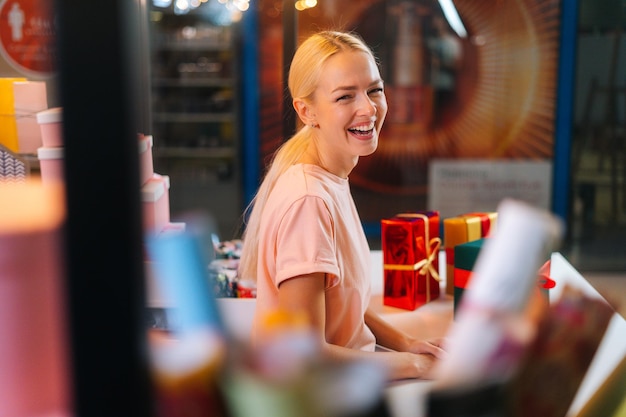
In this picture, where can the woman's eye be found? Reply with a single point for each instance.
(345, 97)
(378, 90)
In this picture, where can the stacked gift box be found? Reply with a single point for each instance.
(465, 256)
(411, 243)
(155, 206)
(29, 127)
(51, 154)
(461, 229)
(20, 101)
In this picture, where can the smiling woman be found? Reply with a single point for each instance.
(347, 111)
(304, 243)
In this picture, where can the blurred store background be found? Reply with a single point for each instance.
(468, 82)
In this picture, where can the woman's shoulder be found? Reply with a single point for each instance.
(313, 178)
(302, 181)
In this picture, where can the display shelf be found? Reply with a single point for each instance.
(193, 45)
(196, 111)
(193, 82)
(195, 153)
(194, 118)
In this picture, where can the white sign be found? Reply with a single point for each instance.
(463, 186)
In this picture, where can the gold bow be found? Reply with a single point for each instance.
(426, 265)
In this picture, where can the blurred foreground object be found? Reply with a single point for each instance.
(491, 330)
(610, 399)
(507, 340)
(188, 362)
(285, 374)
(558, 358)
(551, 371)
(34, 364)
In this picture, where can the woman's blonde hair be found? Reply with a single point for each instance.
(304, 75)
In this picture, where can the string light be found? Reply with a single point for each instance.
(301, 5)
(185, 6)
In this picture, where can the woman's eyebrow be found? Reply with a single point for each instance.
(353, 87)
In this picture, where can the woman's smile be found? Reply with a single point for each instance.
(363, 131)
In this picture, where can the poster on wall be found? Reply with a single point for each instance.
(478, 185)
(465, 80)
(28, 37)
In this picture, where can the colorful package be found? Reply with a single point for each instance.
(29, 98)
(465, 256)
(461, 229)
(155, 200)
(410, 245)
(8, 125)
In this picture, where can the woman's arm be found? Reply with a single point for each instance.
(392, 338)
(305, 293)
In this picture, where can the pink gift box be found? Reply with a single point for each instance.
(155, 198)
(50, 127)
(51, 164)
(146, 164)
(29, 98)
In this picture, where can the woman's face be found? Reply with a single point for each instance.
(349, 107)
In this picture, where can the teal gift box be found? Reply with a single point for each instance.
(465, 256)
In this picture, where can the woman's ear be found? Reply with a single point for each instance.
(305, 112)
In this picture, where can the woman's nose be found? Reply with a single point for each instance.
(367, 106)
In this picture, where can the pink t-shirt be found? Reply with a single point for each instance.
(310, 224)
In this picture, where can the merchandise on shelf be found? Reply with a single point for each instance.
(12, 167)
(51, 127)
(223, 271)
(8, 125)
(156, 203)
(51, 164)
(29, 99)
(146, 163)
(195, 113)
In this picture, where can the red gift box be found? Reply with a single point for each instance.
(410, 244)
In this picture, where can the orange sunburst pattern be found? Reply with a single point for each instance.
(502, 104)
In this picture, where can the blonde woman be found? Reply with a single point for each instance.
(304, 243)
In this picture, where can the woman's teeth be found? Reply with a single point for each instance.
(362, 129)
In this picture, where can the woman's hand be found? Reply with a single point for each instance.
(424, 364)
(434, 347)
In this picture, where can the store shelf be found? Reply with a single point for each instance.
(195, 153)
(192, 45)
(196, 113)
(194, 118)
(193, 82)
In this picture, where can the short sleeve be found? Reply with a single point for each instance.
(306, 241)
